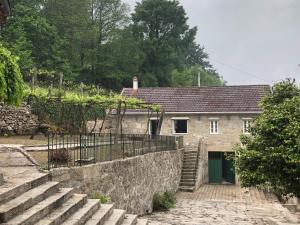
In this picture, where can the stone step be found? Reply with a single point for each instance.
(19, 204)
(192, 177)
(188, 167)
(130, 219)
(116, 218)
(189, 164)
(187, 180)
(16, 187)
(186, 188)
(188, 170)
(190, 155)
(188, 159)
(43, 208)
(190, 152)
(84, 214)
(63, 212)
(141, 222)
(101, 215)
(187, 183)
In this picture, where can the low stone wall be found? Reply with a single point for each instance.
(17, 120)
(130, 183)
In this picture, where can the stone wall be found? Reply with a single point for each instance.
(17, 121)
(230, 129)
(130, 183)
(202, 173)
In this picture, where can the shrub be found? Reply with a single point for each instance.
(60, 156)
(163, 201)
(102, 198)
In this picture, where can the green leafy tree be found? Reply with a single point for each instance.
(167, 42)
(11, 82)
(188, 77)
(271, 155)
(29, 35)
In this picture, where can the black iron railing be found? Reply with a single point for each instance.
(66, 150)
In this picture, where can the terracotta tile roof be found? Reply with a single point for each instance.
(243, 98)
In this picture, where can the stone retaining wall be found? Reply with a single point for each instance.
(202, 173)
(130, 183)
(17, 120)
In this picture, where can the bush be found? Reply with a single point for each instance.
(163, 201)
(60, 156)
(102, 198)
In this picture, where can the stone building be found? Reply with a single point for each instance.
(219, 115)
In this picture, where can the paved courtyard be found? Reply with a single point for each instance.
(224, 204)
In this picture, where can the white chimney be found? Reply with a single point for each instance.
(135, 83)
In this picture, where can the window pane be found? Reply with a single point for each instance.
(214, 127)
(180, 126)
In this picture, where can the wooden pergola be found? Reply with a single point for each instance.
(4, 10)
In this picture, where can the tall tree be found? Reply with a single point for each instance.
(167, 41)
(29, 35)
(72, 20)
(270, 156)
(161, 29)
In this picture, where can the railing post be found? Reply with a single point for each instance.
(94, 136)
(122, 145)
(110, 146)
(133, 143)
(80, 150)
(48, 151)
(155, 143)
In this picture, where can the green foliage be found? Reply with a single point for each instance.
(97, 42)
(102, 198)
(188, 77)
(29, 35)
(69, 110)
(271, 156)
(11, 81)
(168, 44)
(163, 201)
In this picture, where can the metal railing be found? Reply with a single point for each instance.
(65, 150)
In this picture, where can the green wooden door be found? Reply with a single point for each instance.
(228, 170)
(215, 167)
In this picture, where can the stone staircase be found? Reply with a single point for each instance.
(189, 171)
(36, 200)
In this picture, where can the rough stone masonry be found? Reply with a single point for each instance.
(17, 120)
(130, 183)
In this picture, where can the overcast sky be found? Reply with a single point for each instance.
(249, 42)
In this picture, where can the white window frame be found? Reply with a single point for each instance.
(180, 118)
(246, 125)
(214, 126)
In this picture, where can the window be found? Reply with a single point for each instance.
(246, 127)
(153, 126)
(180, 126)
(214, 126)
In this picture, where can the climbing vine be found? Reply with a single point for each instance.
(11, 81)
(69, 110)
